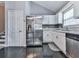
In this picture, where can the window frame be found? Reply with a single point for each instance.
(66, 10)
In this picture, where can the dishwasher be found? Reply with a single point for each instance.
(72, 47)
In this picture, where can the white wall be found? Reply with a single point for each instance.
(19, 5)
(27, 8)
(6, 24)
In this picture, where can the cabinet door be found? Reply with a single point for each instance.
(52, 19)
(45, 36)
(50, 36)
(60, 18)
(61, 41)
(54, 37)
(45, 20)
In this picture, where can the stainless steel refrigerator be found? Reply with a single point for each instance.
(34, 31)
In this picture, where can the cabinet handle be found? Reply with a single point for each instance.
(47, 35)
(56, 36)
(20, 31)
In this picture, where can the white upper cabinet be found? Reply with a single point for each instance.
(45, 20)
(52, 19)
(49, 19)
(60, 18)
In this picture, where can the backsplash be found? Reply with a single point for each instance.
(52, 26)
(72, 27)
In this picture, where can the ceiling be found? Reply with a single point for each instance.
(52, 5)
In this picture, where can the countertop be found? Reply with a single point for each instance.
(62, 31)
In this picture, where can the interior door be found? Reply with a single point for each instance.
(20, 28)
(15, 28)
(11, 29)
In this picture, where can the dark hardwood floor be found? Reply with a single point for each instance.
(30, 52)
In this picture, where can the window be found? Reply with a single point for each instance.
(68, 14)
(68, 17)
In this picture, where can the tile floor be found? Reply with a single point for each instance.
(30, 52)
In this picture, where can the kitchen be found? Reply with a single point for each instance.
(61, 30)
(42, 29)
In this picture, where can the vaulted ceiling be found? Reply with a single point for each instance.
(54, 6)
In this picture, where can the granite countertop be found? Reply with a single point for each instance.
(62, 31)
(50, 29)
(71, 32)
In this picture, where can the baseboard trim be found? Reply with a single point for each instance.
(34, 46)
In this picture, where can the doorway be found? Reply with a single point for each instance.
(2, 25)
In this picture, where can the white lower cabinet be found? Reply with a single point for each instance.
(47, 36)
(59, 40)
(57, 37)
